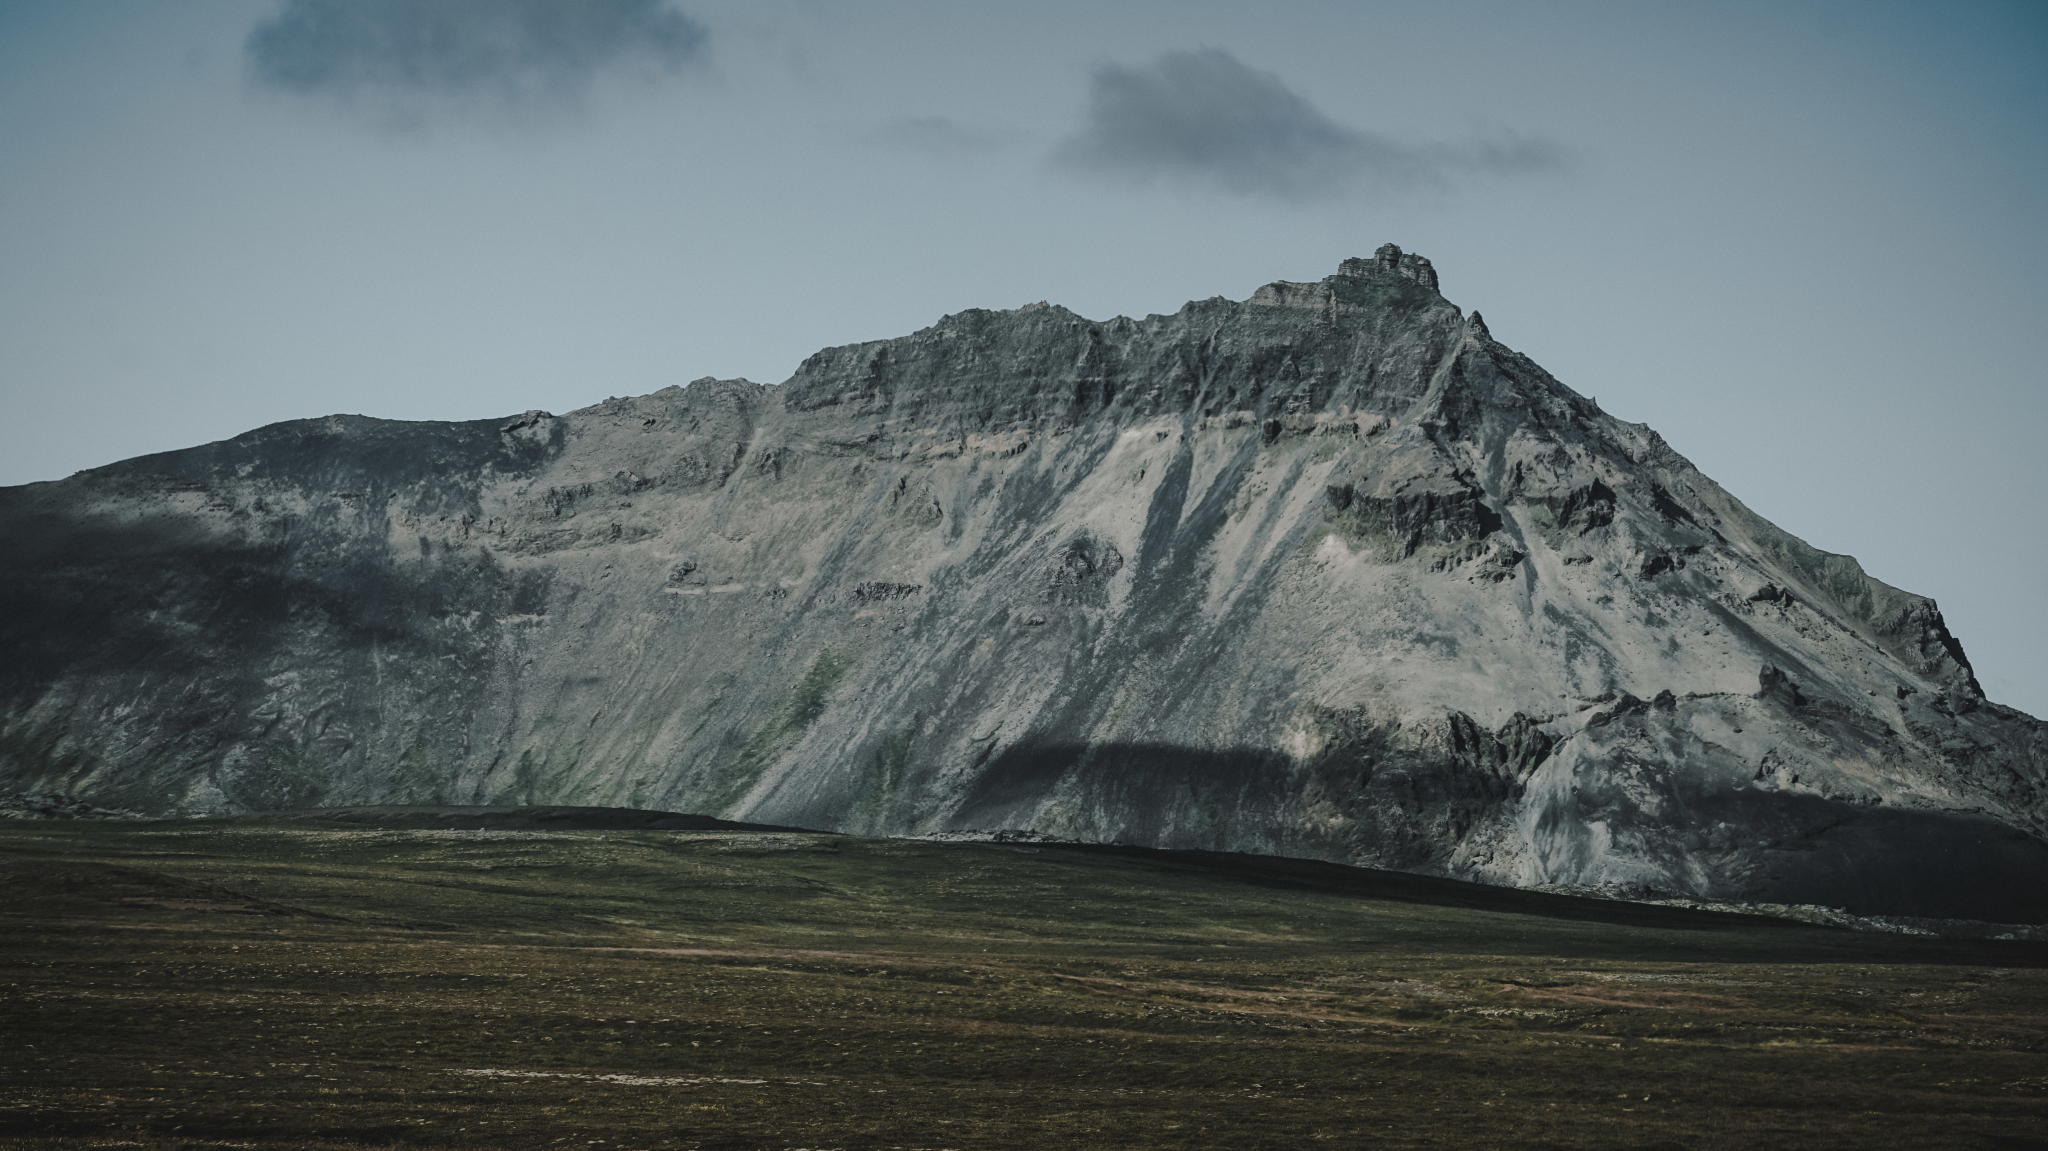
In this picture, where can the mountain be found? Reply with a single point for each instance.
(1328, 572)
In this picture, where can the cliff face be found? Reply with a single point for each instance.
(1328, 572)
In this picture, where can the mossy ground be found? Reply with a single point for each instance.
(166, 987)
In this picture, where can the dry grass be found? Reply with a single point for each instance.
(280, 987)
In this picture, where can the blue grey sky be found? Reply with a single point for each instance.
(1804, 241)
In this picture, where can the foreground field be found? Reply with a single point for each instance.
(293, 985)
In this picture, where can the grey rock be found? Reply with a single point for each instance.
(1328, 572)
(19, 805)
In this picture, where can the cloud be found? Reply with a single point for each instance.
(935, 136)
(1204, 118)
(515, 55)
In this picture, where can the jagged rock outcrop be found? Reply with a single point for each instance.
(1326, 572)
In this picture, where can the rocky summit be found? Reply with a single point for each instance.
(1328, 572)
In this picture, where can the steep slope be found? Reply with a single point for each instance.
(1328, 572)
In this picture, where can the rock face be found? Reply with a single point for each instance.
(1328, 572)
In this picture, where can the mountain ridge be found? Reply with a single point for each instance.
(1326, 572)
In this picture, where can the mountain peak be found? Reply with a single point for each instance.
(1389, 260)
(1320, 573)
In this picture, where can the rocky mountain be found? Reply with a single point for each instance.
(1327, 572)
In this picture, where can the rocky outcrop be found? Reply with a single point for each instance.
(1327, 572)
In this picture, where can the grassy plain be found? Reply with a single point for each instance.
(284, 985)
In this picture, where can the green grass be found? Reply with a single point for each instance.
(286, 985)
(807, 701)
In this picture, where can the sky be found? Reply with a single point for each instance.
(1804, 241)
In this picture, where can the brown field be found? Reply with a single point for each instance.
(279, 985)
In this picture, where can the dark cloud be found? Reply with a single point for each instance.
(1205, 118)
(935, 136)
(512, 53)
